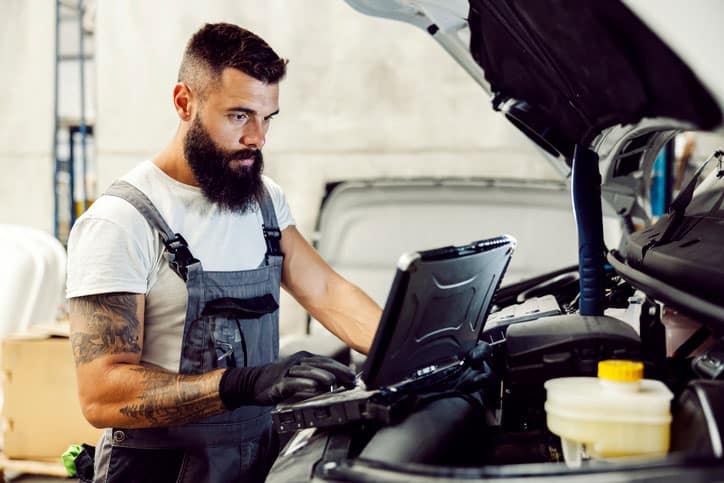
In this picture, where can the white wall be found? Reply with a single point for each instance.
(27, 39)
(357, 87)
(363, 97)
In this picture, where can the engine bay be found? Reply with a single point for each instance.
(502, 423)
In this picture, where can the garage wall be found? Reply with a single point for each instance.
(363, 97)
(361, 94)
(27, 39)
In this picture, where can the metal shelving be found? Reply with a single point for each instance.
(73, 133)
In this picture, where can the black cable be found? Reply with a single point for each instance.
(432, 397)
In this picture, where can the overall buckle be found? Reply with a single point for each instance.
(179, 255)
(272, 237)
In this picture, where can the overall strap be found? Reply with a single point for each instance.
(270, 226)
(177, 252)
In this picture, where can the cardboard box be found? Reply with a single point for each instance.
(41, 412)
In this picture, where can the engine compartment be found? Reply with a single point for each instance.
(510, 412)
(643, 312)
(501, 426)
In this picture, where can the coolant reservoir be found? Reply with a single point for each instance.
(613, 415)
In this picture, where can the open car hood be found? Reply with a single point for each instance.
(621, 78)
(583, 66)
(583, 72)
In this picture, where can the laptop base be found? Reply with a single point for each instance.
(327, 410)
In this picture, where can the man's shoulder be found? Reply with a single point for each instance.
(271, 185)
(281, 207)
(117, 211)
(146, 176)
(274, 190)
(111, 210)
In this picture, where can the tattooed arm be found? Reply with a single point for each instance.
(115, 389)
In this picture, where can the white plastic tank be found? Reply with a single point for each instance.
(617, 414)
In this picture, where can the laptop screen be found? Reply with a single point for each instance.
(436, 308)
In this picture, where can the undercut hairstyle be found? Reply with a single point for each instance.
(217, 46)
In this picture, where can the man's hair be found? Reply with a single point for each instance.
(217, 46)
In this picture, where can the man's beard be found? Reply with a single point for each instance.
(232, 189)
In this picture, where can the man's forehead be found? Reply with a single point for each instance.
(235, 86)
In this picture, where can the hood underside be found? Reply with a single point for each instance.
(568, 69)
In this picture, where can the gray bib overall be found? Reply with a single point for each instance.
(232, 320)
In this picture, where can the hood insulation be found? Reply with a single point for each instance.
(580, 66)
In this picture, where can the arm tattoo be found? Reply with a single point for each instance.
(171, 399)
(111, 326)
(162, 398)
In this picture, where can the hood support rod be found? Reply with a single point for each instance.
(586, 192)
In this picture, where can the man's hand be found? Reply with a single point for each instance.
(478, 369)
(300, 376)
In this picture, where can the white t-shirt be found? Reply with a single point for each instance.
(112, 248)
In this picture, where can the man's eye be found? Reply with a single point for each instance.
(239, 117)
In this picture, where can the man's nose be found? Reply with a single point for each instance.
(253, 136)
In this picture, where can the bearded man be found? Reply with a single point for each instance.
(174, 277)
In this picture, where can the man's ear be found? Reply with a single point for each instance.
(183, 101)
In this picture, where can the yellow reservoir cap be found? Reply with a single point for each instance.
(621, 371)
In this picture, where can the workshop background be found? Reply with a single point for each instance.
(352, 105)
(364, 97)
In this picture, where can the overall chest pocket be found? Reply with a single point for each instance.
(241, 331)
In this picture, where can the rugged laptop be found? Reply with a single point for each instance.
(433, 317)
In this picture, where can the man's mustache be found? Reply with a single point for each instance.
(245, 154)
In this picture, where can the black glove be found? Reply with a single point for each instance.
(477, 370)
(299, 376)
